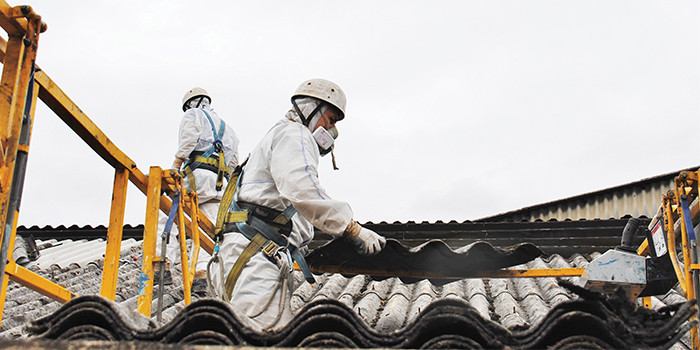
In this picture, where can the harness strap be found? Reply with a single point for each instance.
(299, 258)
(190, 177)
(219, 148)
(227, 213)
(237, 216)
(270, 233)
(212, 163)
(262, 235)
(275, 218)
(255, 244)
(217, 164)
(267, 238)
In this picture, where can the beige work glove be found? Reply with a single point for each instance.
(177, 163)
(367, 241)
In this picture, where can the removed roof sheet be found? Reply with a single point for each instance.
(433, 258)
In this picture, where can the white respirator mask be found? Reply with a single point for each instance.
(325, 139)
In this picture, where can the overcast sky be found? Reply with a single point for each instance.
(456, 109)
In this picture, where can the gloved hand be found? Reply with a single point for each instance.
(367, 241)
(177, 163)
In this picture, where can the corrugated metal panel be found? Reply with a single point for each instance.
(634, 201)
(641, 198)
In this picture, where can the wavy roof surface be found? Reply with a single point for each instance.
(592, 321)
(383, 306)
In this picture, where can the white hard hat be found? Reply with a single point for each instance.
(323, 90)
(192, 93)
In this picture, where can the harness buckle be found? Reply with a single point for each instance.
(270, 249)
(218, 145)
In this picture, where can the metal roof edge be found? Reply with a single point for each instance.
(588, 194)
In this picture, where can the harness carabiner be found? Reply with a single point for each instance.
(216, 258)
(218, 145)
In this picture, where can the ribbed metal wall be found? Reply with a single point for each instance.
(637, 199)
(634, 201)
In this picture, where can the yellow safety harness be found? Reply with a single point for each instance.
(266, 228)
(208, 159)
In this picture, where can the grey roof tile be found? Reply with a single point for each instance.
(353, 290)
(332, 287)
(20, 254)
(535, 308)
(395, 309)
(387, 305)
(423, 295)
(305, 292)
(506, 305)
(453, 289)
(372, 300)
(482, 305)
(526, 287)
(448, 323)
(501, 286)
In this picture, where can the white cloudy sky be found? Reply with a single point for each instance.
(456, 109)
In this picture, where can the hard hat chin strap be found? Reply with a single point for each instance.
(307, 120)
(335, 167)
(304, 119)
(191, 103)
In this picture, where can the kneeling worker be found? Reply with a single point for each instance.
(282, 174)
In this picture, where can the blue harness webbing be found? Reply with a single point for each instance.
(217, 146)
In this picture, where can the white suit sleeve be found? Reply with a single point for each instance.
(294, 168)
(190, 130)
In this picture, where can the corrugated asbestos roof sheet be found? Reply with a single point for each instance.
(382, 306)
(593, 321)
(565, 237)
(431, 257)
(377, 307)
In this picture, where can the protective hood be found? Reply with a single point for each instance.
(307, 106)
(324, 138)
(199, 102)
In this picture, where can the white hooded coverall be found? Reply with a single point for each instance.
(281, 171)
(196, 134)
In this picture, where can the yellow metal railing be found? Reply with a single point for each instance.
(23, 27)
(158, 181)
(680, 212)
(18, 56)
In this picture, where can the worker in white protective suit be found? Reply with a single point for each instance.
(203, 139)
(282, 172)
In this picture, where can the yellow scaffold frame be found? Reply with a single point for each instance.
(18, 55)
(680, 223)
